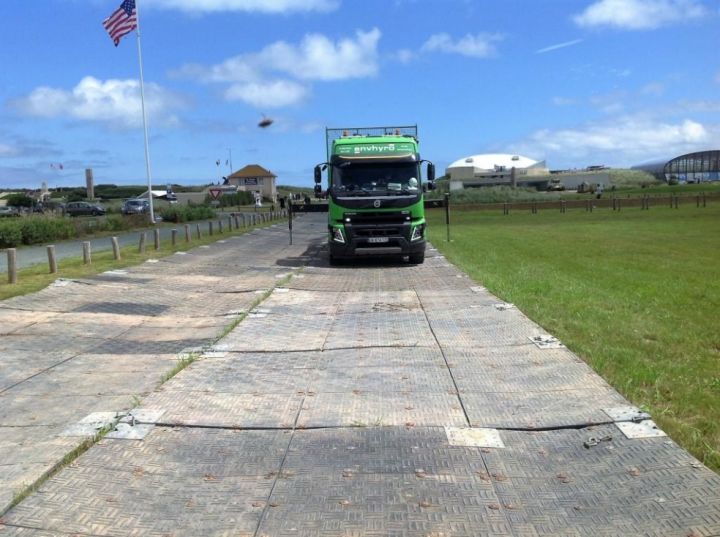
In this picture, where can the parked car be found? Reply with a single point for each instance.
(83, 208)
(135, 206)
(8, 211)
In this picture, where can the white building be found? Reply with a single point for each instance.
(494, 169)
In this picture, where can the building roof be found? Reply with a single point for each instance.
(490, 161)
(251, 170)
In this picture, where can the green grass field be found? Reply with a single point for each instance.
(636, 294)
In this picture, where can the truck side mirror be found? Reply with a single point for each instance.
(318, 175)
(318, 191)
(431, 172)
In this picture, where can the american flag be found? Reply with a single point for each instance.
(122, 21)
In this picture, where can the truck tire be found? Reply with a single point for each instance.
(417, 259)
(333, 261)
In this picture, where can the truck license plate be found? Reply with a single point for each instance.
(376, 240)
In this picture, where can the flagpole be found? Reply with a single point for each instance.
(145, 128)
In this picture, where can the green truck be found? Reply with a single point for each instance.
(375, 192)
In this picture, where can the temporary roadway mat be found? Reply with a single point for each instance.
(372, 399)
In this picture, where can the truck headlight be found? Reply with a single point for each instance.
(338, 235)
(417, 232)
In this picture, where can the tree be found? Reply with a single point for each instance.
(19, 200)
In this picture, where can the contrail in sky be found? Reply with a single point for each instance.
(559, 45)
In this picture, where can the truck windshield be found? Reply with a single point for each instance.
(376, 179)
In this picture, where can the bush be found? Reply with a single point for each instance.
(35, 230)
(187, 213)
(10, 233)
(237, 199)
(499, 194)
(19, 200)
(39, 230)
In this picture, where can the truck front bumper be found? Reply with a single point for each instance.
(375, 241)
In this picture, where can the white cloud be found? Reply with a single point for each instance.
(316, 58)
(558, 46)
(275, 94)
(653, 88)
(404, 56)
(475, 46)
(625, 140)
(639, 14)
(563, 101)
(8, 150)
(116, 102)
(262, 6)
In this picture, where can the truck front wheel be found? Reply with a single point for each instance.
(417, 259)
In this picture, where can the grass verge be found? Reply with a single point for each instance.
(635, 294)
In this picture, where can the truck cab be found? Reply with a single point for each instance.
(375, 193)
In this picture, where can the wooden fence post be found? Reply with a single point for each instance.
(157, 238)
(12, 265)
(52, 261)
(187, 232)
(141, 246)
(173, 234)
(116, 248)
(87, 253)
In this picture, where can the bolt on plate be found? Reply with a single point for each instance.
(546, 341)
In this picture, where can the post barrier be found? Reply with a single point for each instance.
(87, 253)
(52, 261)
(12, 265)
(115, 248)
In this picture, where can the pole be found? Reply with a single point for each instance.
(230, 159)
(447, 215)
(144, 115)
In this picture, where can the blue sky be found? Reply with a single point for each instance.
(575, 82)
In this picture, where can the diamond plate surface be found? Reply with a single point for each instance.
(620, 487)
(211, 409)
(399, 358)
(276, 333)
(532, 410)
(375, 409)
(200, 482)
(381, 482)
(379, 329)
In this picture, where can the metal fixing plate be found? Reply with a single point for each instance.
(474, 437)
(136, 424)
(91, 424)
(546, 341)
(643, 429)
(626, 413)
